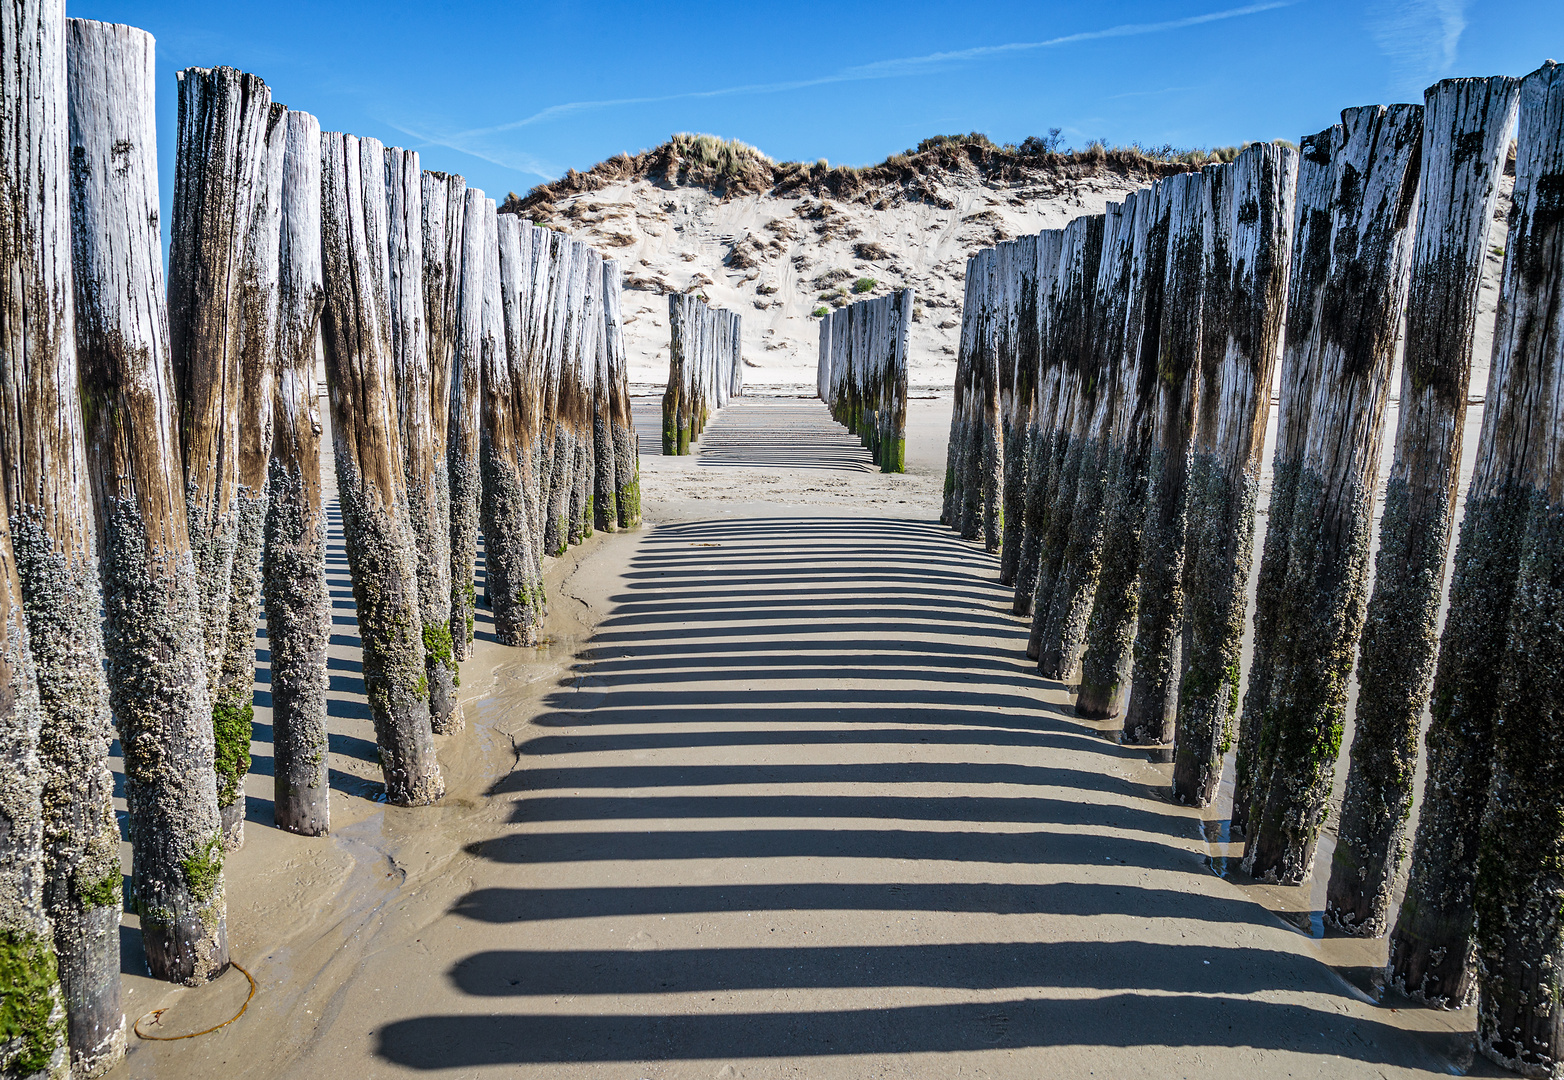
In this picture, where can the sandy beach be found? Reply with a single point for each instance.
(780, 797)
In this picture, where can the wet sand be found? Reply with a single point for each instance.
(782, 798)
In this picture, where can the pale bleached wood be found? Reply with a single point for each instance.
(481, 335)
(1467, 125)
(1374, 194)
(1245, 302)
(156, 644)
(1299, 373)
(298, 604)
(1023, 360)
(370, 477)
(584, 374)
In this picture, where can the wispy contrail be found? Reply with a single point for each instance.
(886, 69)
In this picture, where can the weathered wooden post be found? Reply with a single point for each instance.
(1063, 626)
(480, 332)
(1459, 187)
(678, 349)
(443, 219)
(823, 362)
(564, 357)
(509, 558)
(298, 605)
(1299, 374)
(156, 641)
(1110, 630)
(605, 488)
(584, 371)
(1520, 930)
(1020, 413)
(421, 392)
(224, 119)
(1246, 298)
(1070, 342)
(1359, 309)
(58, 842)
(950, 508)
(893, 454)
(1153, 700)
(626, 446)
(370, 477)
(1041, 432)
(1431, 954)
(233, 705)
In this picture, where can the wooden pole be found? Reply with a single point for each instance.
(420, 393)
(950, 507)
(1110, 630)
(1299, 374)
(678, 347)
(584, 367)
(481, 333)
(1245, 300)
(626, 447)
(1431, 955)
(823, 362)
(443, 221)
(1041, 433)
(298, 605)
(536, 374)
(156, 643)
(1071, 342)
(233, 699)
(569, 310)
(1459, 188)
(1064, 627)
(1519, 896)
(56, 826)
(1153, 700)
(223, 123)
(894, 456)
(1360, 307)
(605, 491)
(53, 542)
(977, 340)
(370, 476)
(508, 529)
(1020, 411)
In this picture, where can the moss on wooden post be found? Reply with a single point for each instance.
(1040, 433)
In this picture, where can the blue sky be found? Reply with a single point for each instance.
(509, 97)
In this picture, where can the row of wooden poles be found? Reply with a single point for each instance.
(862, 373)
(161, 457)
(705, 368)
(1111, 405)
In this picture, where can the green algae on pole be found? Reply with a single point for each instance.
(1431, 943)
(233, 698)
(154, 634)
(1519, 895)
(298, 604)
(1354, 337)
(1110, 628)
(584, 376)
(59, 850)
(1299, 372)
(423, 415)
(893, 436)
(1466, 133)
(1040, 433)
(1153, 698)
(370, 479)
(1246, 298)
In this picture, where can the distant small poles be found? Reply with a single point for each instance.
(705, 362)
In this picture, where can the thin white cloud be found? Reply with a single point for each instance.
(471, 141)
(1420, 37)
